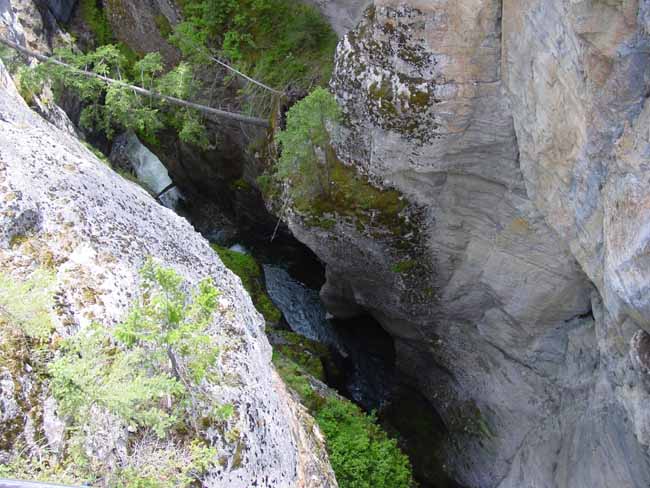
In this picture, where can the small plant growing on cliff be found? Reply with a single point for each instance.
(149, 370)
(361, 453)
(26, 304)
(305, 162)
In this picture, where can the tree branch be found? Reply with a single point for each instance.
(142, 91)
(258, 83)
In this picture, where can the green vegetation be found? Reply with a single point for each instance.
(279, 42)
(250, 273)
(95, 18)
(25, 328)
(164, 27)
(27, 304)
(160, 466)
(148, 374)
(305, 142)
(161, 351)
(320, 185)
(405, 267)
(307, 354)
(111, 107)
(361, 453)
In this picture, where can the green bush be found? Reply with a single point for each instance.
(361, 453)
(161, 351)
(27, 304)
(279, 42)
(95, 18)
(305, 142)
(320, 185)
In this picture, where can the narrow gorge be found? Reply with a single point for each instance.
(423, 266)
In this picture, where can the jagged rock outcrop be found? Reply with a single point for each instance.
(95, 229)
(520, 132)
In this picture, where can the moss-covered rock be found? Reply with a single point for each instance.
(250, 273)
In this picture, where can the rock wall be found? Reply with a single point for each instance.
(520, 132)
(95, 229)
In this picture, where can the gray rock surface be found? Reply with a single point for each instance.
(10, 26)
(520, 132)
(97, 229)
(138, 24)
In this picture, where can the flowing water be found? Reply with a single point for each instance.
(151, 172)
(360, 347)
(365, 348)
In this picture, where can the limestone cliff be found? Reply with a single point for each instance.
(518, 132)
(63, 208)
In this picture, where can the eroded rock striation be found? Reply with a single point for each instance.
(61, 206)
(518, 133)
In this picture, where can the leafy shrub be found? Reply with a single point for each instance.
(107, 107)
(319, 184)
(95, 18)
(27, 303)
(280, 42)
(361, 453)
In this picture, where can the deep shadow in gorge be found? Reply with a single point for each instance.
(362, 365)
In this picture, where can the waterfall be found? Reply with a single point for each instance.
(150, 171)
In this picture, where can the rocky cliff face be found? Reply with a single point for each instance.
(61, 206)
(519, 132)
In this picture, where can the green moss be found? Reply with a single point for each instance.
(95, 18)
(297, 379)
(420, 99)
(405, 267)
(383, 91)
(240, 185)
(468, 418)
(353, 196)
(250, 273)
(17, 240)
(307, 354)
(361, 453)
(163, 25)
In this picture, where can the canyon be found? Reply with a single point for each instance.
(512, 278)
